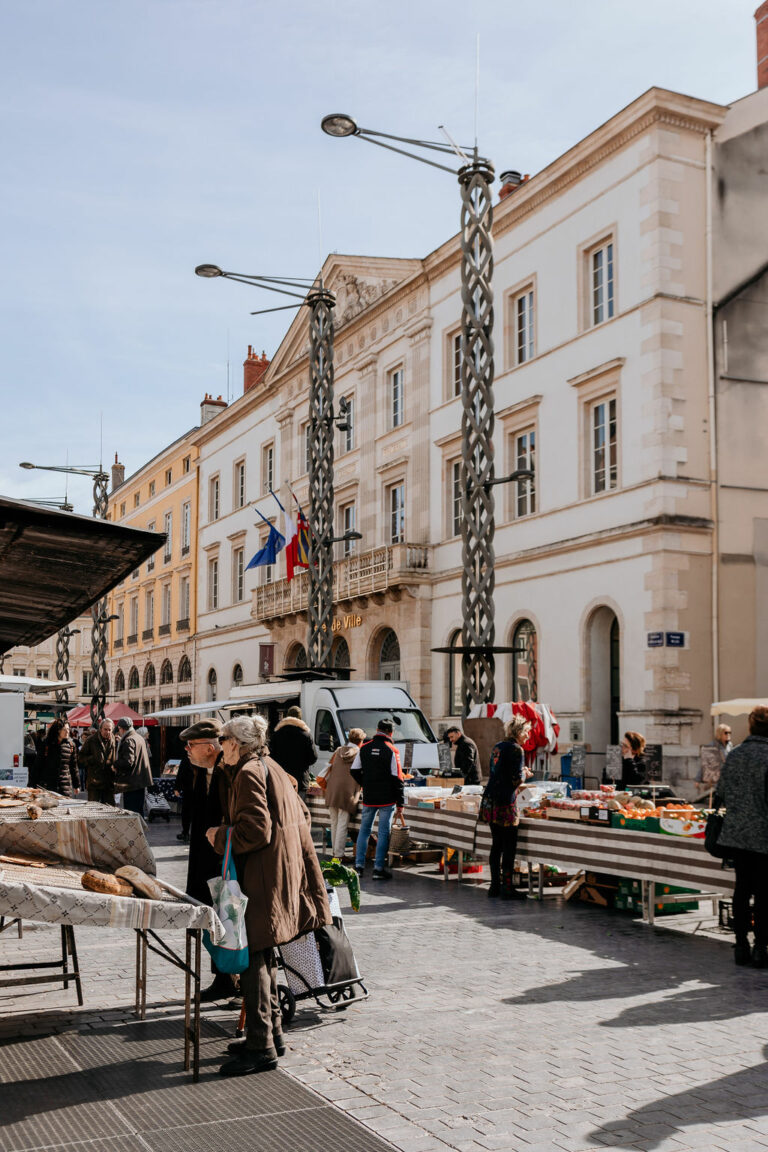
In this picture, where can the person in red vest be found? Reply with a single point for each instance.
(377, 768)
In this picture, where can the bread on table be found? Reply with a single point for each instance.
(143, 884)
(103, 882)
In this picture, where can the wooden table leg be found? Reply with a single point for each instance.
(64, 956)
(460, 864)
(75, 964)
(196, 1012)
(187, 990)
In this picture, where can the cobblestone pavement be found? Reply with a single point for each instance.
(501, 1026)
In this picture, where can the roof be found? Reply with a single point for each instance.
(55, 565)
(80, 717)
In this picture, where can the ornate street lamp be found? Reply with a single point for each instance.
(320, 302)
(99, 609)
(475, 175)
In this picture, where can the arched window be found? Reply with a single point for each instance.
(166, 672)
(237, 675)
(389, 658)
(133, 677)
(455, 684)
(106, 684)
(296, 658)
(524, 663)
(212, 684)
(340, 653)
(149, 676)
(119, 680)
(185, 670)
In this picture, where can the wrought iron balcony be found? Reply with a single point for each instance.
(361, 574)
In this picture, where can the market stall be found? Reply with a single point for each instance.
(79, 831)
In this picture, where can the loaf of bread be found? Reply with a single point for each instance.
(143, 884)
(103, 882)
(34, 811)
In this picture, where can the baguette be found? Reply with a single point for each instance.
(143, 884)
(103, 882)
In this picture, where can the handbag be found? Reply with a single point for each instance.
(399, 838)
(230, 954)
(714, 827)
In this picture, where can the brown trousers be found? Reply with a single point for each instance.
(258, 985)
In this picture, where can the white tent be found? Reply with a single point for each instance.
(741, 707)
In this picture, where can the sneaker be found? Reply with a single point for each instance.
(247, 1062)
(382, 874)
(742, 953)
(360, 871)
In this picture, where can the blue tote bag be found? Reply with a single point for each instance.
(229, 904)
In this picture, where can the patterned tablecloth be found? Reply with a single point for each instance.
(55, 895)
(81, 832)
(572, 845)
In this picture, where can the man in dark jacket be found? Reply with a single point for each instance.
(377, 768)
(97, 757)
(291, 746)
(466, 758)
(132, 769)
(208, 792)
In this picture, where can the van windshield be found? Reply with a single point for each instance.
(408, 723)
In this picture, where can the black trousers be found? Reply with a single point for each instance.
(503, 848)
(751, 882)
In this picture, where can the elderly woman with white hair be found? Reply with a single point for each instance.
(278, 871)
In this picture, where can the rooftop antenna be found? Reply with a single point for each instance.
(101, 441)
(228, 392)
(319, 238)
(477, 87)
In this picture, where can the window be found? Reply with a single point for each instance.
(185, 465)
(267, 570)
(122, 508)
(151, 489)
(267, 467)
(604, 467)
(19, 671)
(396, 387)
(326, 737)
(87, 683)
(267, 659)
(347, 436)
(42, 673)
(454, 498)
(453, 360)
(523, 324)
(213, 584)
(119, 680)
(119, 624)
(238, 575)
(134, 618)
(524, 671)
(601, 283)
(151, 561)
(240, 484)
(524, 457)
(212, 684)
(168, 476)
(455, 682)
(185, 670)
(306, 443)
(186, 526)
(213, 498)
(133, 678)
(149, 676)
(184, 598)
(237, 676)
(168, 529)
(166, 606)
(397, 514)
(166, 672)
(149, 610)
(136, 499)
(349, 520)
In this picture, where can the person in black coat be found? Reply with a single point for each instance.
(291, 746)
(634, 769)
(60, 773)
(466, 758)
(207, 807)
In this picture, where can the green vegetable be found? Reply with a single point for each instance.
(337, 874)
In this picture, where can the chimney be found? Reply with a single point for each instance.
(512, 180)
(761, 20)
(118, 473)
(253, 369)
(210, 408)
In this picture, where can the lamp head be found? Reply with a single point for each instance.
(209, 271)
(26, 464)
(339, 124)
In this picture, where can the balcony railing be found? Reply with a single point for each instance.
(148, 634)
(183, 625)
(360, 574)
(119, 642)
(164, 630)
(133, 638)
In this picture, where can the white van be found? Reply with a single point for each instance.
(12, 693)
(330, 707)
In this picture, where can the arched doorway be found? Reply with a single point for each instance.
(340, 653)
(603, 643)
(212, 684)
(389, 656)
(296, 658)
(524, 662)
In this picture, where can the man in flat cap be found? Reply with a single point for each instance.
(209, 803)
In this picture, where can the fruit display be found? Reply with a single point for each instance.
(622, 810)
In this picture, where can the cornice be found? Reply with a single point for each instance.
(605, 369)
(520, 406)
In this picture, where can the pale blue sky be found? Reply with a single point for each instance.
(142, 137)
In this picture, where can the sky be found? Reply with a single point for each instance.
(140, 138)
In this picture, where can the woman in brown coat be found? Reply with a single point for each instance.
(278, 871)
(342, 791)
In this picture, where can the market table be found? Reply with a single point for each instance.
(650, 857)
(79, 831)
(72, 838)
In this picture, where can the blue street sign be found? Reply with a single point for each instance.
(675, 639)
(655, 639)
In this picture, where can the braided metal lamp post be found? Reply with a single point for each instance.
(475, 176)
(99, 609)
(320, 302)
